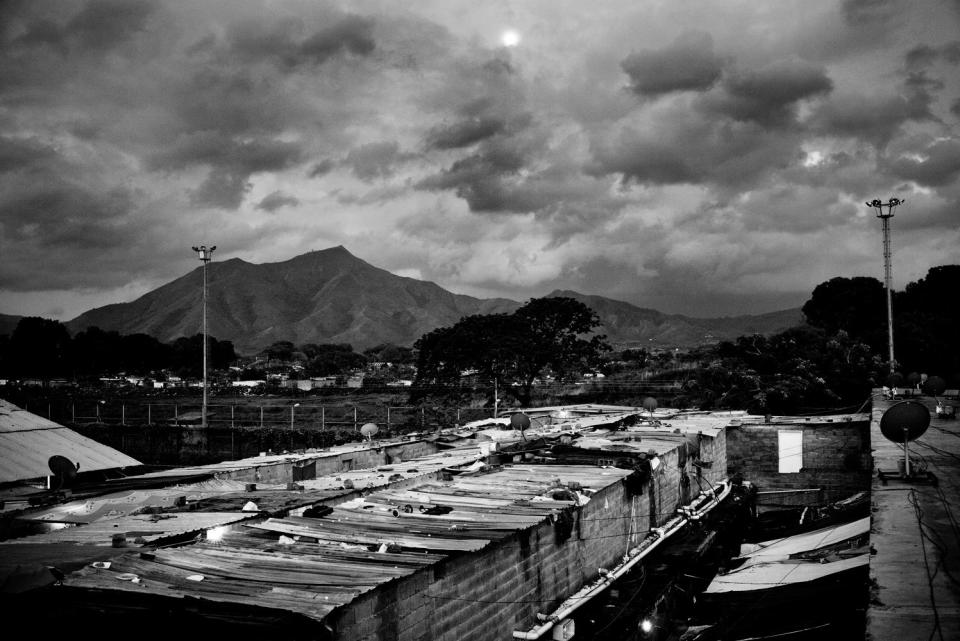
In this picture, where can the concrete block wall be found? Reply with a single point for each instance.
(714, 450)
(490, 593)
(836, 459)
(332, 464)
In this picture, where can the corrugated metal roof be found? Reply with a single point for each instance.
(140, 529)
(27, 442)
(311, 565)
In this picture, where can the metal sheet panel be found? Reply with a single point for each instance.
(27, 442)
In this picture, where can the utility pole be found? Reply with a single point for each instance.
(878, 205)
(205, 255)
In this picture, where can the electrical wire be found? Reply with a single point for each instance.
(918, 512)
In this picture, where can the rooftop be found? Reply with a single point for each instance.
(916, 569)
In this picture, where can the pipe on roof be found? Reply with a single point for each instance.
(694, 511)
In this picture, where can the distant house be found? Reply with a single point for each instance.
(250, 383)
(355, 381)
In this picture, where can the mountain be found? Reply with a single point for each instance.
(327, 296)
(626, 324)
(331, 296)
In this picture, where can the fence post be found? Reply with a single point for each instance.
(388, 417)
(354, 418)
(261, 416)
(73, 412)
(458, 417)
(232, 407)
(149, 413)
(49, 415)
(323, 417)
(423, 418)
(123, 414)
(176, 414)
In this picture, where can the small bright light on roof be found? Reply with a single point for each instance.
(215, 535)
(646, 625)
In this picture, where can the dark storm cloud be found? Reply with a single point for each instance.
(488, 179)
(692, 147)
(285, 44)
(321, 168)
(689, 64)
(867, 12)
(20, 154)
(936, 165)
(276, 200)
(231, 163)
(647, 161)
(875, 118)
(768, 95)
(102, 24)
(99, 26)
(464, 133)
(375, 160)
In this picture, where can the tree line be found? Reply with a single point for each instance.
(43, 348)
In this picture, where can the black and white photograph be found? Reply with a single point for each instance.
(480, 320)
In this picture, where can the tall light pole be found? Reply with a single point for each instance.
(205, 255)
(878, 205)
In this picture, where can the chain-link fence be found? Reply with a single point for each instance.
(276, 414)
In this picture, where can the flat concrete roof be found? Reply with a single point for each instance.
(915, 572)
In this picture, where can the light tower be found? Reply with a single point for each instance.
(878, 205)
(205, 255)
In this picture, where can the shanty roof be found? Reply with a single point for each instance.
(27, 442)
(311, 565)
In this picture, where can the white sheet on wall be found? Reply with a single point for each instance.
(791, 450)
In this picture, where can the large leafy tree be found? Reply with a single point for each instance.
(331, 359)
(546, 333)
(854, 305)
(557, 333)
(38, 347)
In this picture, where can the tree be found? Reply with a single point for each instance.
(280, 351)
(544, 333)
(331, 359)
(39, 347)
(855, 305)
(554, 333)
(389, 353)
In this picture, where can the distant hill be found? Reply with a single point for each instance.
(327, 296)
(331, 296)
(627, 324)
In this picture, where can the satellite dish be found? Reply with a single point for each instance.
(369, 429)
(902, 423)
(520, 421)
(935, 386)
(905, 421)
(64, 470)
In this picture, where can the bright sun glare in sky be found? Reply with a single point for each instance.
(510, 38)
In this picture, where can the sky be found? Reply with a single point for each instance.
(704, 158)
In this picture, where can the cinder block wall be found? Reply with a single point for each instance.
(490, 593)
(331, 464)
(836, 459)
